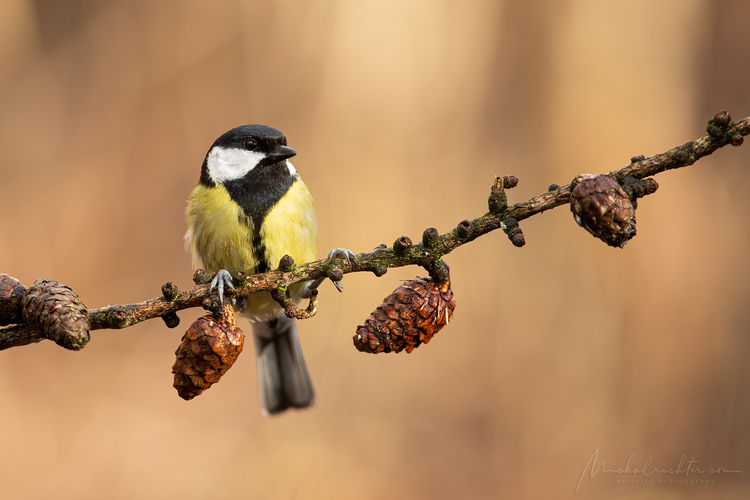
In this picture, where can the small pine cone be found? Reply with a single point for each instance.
(56, 311)
(11, 295)
(408, 317)
(601, 206)
(209, 348)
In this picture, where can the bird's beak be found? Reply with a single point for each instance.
(281, 154)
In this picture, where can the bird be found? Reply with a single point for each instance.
(249, 209)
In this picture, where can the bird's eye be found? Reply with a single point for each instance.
(251, 144)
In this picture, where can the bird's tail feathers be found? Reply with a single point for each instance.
(283, 379)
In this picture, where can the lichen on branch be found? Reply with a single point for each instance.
(19, 326)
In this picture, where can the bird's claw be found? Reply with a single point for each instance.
(343, 254)
(222, 279)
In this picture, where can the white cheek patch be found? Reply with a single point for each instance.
(292, 170)
(226, 164)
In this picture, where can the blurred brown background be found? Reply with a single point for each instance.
(402, 113)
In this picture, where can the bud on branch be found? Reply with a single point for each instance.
(606, 208)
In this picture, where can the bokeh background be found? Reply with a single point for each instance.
(402, 114)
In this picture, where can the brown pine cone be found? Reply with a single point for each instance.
(603, 208)
(408, 317)
(11, 295)
(209, 348)
(56, 311)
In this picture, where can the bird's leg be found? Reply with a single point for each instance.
(222, 279)
(313, 286)
(343, 254)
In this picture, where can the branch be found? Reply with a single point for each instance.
(428, 253)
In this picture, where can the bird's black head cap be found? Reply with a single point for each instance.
(261, 138)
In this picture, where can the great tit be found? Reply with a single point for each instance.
(249, 209)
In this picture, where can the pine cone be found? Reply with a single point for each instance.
(56, 311)
(603, 208)
(209, 348)
(408, 317)
(11, 295)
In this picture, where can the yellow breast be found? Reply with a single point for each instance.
(220, 237)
